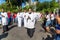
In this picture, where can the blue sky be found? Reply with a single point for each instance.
(43, 0)
(2, 1)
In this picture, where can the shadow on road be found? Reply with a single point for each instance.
(4, 35)
(12, 27)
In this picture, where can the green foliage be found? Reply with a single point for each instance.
(14, 5)
(47, 6)
(27, 7)
(53, 4)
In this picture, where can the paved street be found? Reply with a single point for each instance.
(16, 33)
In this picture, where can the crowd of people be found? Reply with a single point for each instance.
(52, 20)
(49, 20)
(28, 19)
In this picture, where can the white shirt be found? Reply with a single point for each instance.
(52, 17)
(36, 15)
(4, 19)
(48, 17)
(20, 15)
(31, 22)
(25, 15)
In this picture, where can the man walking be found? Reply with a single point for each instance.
(20, 17)
(30, 24)
(4, 21)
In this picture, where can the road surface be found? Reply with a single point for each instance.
(16, 33)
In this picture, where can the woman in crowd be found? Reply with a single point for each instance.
(48, 21)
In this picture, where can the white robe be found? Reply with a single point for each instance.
(31, 22)
(20, 16)
(25, 16)
(35, 16)
(4, 19)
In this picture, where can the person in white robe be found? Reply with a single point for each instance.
(30, 24)
(36, 17)
(4, 21)
(25, 16)
(20, 17)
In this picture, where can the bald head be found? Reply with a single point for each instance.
(30, 10)
(2, 10)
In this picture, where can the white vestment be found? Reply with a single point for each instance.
(25, 16)
(31, 21)
(35, 16)
(4, 18)
(20, 16)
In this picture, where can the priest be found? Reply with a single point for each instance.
(30, 23)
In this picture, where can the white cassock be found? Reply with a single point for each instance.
(25, 16)
(20, 16)
(31, 22)
(38, 15)
(35, 16)
(4, 19)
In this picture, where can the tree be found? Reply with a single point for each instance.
(50, 6)
(9, 4)
(15, 2)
